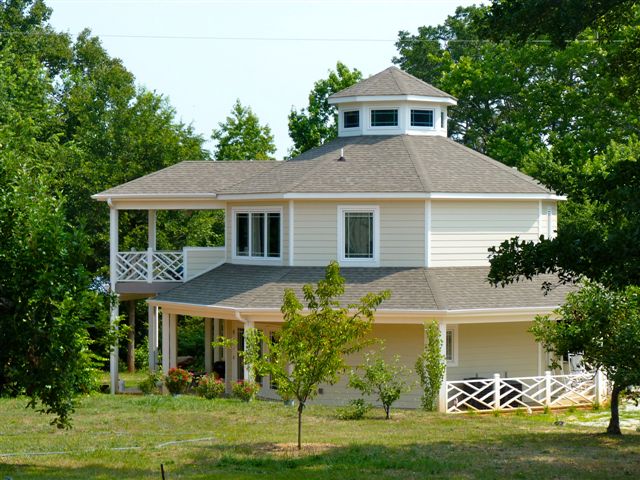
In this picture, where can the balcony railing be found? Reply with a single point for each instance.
(528, 393)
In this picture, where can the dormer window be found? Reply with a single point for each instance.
(351, 119)
(422, 118)
(384, 118)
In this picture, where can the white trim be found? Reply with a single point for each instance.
(115, 196)
(539, 218)
(291, 231)
(392, 98)
(453, 328)
(261, 209)
(393, 196)
(375, 261)
(549, 215)
(427, 233)
(442, 395)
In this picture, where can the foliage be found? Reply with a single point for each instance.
(603, 325)
(149, 384)
(387, 381)
(241, 137)
(318, 123)
(210, 386)
(245, 390)
(355, 410)
(177, 380)
(430, 366)
(311, 346)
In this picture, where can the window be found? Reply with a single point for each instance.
(422, 118)
(451, 345)
(384, 118)
(358, 229)
(351, 119)
(257, 234)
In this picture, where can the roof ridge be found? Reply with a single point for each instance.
(512, 171)
(393, 77)
(435, 289)
(424, 180)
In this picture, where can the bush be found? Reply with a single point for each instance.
(245, 390)
(177, 380)
(354, 410)
(150, 384)
(210, 387)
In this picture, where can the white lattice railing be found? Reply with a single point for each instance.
(553, 391)
(150, 266)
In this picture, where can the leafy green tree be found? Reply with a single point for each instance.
(241, 137)
(318, 123)
(604, 325)
(430, 366)
(387, 381)
(311, 346)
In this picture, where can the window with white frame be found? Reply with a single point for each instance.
(451, 345)
(358, 227)
(258, 234)
(422, 118)
(384, 118)
(351, 119)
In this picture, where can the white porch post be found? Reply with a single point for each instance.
(216, 334)
(208, 362)
(151, 231)
(173, 327)
(113, 277)
(248, 373)
(442, 397)
(153, 338)
(169, 341)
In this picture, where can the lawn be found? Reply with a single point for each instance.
(130, 436)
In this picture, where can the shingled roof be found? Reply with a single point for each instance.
(374, 164)
(391, 81)
(441, 289)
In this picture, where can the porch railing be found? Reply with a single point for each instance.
(150, 266)
(497, 393)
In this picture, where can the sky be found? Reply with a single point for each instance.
(205, 54)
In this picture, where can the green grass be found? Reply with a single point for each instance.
(197, 438)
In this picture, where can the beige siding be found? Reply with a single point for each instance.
(315, 233)
(199, 260)
(462, 231)
(504, 348)
(402, 234)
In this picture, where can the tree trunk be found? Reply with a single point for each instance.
(131, 346)
(300, 408)
(387, 410)
(614, 422)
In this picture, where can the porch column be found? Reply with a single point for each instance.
(169, 341)
(216, 334)
(208, 363)
(151, 231)
(153, 338)
(115, 308)
(248, 373)
(442, 397)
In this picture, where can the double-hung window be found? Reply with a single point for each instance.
(358, 228)
(258, 234)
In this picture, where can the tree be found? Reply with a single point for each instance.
(387, 381)
(318, 123)
(311, 346)
(430, 366)
(603, 325)
(241, 137)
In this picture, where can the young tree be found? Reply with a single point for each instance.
(603, 325)
(241, 137)
(311, 346)
(318, 123)
(387, 381)
(430, 366)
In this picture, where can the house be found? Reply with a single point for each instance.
(401, 207)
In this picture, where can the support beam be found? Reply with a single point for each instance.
(115, 308)
(208, 353)
(153, 338)
(442, 397)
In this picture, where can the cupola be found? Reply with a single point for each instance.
(392, 102)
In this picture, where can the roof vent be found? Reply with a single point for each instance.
(342, 159)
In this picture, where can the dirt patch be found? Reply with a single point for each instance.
(291, 449)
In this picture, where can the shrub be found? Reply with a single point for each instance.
(245, 390)
(177, 380)
(150, 383)
(210, 387)
(430, 366)
(354, 410)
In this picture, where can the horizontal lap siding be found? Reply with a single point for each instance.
(486, 349)
(461, 232)
(402, 234)
(199, 260)
(315, 233)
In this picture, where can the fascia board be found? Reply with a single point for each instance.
(392, 98)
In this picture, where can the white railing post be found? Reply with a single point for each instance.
(496, 391)
(547, 388)
(149, 265)
(598, 384)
